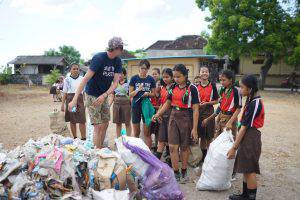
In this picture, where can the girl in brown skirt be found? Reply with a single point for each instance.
(70, 86)
(208, 97)
(121, 107)
(167, 81)
(248, 141)
(183, 123)
(229, 105)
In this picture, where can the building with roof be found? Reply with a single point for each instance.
(37, 64)
(34, 69)
(187, 49)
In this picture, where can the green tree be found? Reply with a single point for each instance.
(251, 27)
(53, 76)
(5, 75)
(139, 53)
(70, 54)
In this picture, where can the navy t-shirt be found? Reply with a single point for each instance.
(105, 69)
(148, 84)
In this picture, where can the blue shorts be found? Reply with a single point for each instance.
(137, 114)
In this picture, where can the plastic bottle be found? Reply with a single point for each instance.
(89, 144)
(123, 132)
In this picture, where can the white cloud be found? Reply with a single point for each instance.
(140, 8)
(193, 23)
(90, 13)
(42, 7)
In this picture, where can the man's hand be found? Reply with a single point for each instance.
(99, 100)
(62, 108)
(231, 153)
(140, 87)
(194, 135)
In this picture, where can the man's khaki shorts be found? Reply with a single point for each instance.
(98, 114)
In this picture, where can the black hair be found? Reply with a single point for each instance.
(251, 82)
(182, 69)
(73, 65)
(204, 66)
(185, 72)
(166, 71)
(145, 62)
(156, 69)
(229, 75)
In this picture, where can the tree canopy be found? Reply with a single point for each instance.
(253, 27)
(70, 54)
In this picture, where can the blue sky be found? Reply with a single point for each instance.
(29, 27)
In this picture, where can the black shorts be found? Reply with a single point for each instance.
(137, 114)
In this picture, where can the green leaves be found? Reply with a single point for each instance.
(53, 76)
(70, 54)
(243, 27)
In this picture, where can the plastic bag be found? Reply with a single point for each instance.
(58, 124)
(20, 182)
(159, 181)
(217, 169)
(148, 111)
(111, 194)
(139, 167)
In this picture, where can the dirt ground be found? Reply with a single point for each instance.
(24, 114)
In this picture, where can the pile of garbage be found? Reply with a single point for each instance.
(58, 167)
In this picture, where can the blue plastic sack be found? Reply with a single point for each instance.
(148, 111)
(159, 181)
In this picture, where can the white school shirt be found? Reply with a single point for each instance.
(71, 84)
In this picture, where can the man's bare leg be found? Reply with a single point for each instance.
(99, 134)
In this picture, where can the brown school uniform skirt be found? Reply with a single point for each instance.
(222, 119)
(180, 127)
(163, 127)
(53, 90)
(121, 110)
(247, 158)
(79, 115)
(207, 132)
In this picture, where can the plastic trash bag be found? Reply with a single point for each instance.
(148, 111)
(58, 124)
(111, 194)
(159, 181)
(19, 183)
(139, 167)
(8, 168)
(217, 169)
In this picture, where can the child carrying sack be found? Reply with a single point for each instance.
(217, 168)
(58, 124)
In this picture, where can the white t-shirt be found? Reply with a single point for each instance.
(71, 84)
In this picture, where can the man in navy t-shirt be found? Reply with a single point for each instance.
(101, 80)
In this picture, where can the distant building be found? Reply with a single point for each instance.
(187, 49)
(35, 68)
(37, 64)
